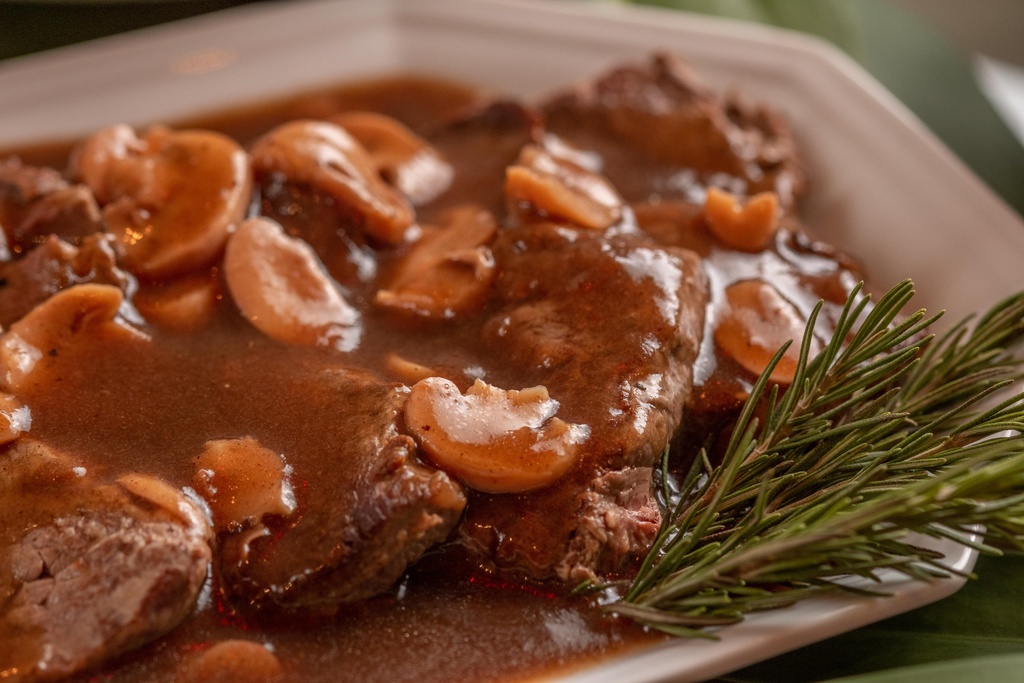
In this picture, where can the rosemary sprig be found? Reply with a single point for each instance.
(884, 434)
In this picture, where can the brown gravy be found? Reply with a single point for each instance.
(118, 408)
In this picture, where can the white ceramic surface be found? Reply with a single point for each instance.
(883, 187)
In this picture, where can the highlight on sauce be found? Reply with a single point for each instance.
(360, 385)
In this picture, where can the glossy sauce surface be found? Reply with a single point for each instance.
(151, 407)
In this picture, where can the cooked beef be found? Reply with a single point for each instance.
(89, 570)
(662, 137)
(364, 507)
(554, 319)
(617, 519)
(661, 132)
(625, 370)
(54, 265)
(37, 202)
(365, 515)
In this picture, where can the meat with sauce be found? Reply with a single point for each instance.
(55, 265)
(370, 512)
(37, 202)
(472, 339)
(555, 326)
(90, 570)
(658, 129)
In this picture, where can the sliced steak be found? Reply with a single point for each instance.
(364, 507)
(611, 325)
(88, 570)
(661, 132)
(362, 517)
(617, 519)
(54, 265)
(37, 202)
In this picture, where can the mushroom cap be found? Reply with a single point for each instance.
(493, 440)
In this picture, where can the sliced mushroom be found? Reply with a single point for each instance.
(493, 440)
(51, 327)
(402, 158)
(561, 189)
(170, 197)
(164, 497)
(323, 156)
(281, 287)
(407, 371)
(448, 272)
(184, 304)
(747, 227)
(755, 325)
(242, 481)
(233, 661)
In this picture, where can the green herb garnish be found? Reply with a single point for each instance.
(887, 433)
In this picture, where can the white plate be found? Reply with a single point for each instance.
(883, 187)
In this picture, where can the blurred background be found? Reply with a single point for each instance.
(993, 27)
(958, 65)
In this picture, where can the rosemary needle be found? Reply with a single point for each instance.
(886, 433)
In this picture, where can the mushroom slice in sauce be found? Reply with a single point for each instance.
(233, 661)
(747, 226)
(52, 326)
(184, 304)
(402, 158)
(328, 159)
(447, 272)
(407, 371)
(756, 322)
(494, 440)
(171, 197)
(242, 481)
(561, 189)
(281, 287)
